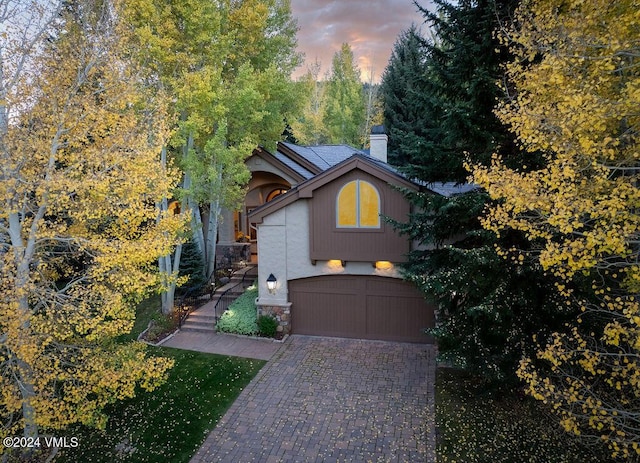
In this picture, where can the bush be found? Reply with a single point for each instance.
(267, 326)
(240, 317)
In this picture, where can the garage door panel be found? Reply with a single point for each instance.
(366, 307)
(346, 285)
(389, 286)
(397, 318)
(336, 315)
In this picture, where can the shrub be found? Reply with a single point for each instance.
(267, 326)
(240, 317)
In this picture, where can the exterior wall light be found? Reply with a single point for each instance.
(383, 265)
(271, 283)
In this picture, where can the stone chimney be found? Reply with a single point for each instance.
(378, 143)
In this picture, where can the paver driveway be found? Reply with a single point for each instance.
(330, 400)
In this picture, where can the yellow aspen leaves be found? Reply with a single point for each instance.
(574, 97)
(80, 233)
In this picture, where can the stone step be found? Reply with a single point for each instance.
(235, 291)
(204, 311)
(197, 317)
(197, 326)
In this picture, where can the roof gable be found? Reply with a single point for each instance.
(305, 189)
(280, 163)
(356, 161)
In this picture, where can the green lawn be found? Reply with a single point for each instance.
(474, 426)
(170, 423)
(145, 311)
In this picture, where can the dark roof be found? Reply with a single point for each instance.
(310, 161)
(322, 156)
(448, 189)
(294, 165)
(305, 189)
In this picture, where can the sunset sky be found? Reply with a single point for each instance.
(369, 26)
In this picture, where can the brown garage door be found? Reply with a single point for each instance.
(365, 307)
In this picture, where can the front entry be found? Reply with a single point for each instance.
(358, 306)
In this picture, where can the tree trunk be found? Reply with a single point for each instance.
(22, 258)
(212, 234)
(196, 227)
(28, 394)
(172, 266)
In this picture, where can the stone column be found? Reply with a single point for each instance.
(281, 312)
(226, 231)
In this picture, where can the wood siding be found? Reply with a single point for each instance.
(327, 241)
(363, 307)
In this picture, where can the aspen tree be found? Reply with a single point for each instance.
(575, 96)
(79, 180)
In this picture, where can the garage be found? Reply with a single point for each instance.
(363, 307)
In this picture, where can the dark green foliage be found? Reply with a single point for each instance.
(488, 310)
(439, 99)
(489, 306)
(289, 136)
(406, 94)
(192, 265)
(463, 70)
(267, 326)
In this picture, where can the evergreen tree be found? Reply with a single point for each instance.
(192, 266)
(408, 111)
(489, 306)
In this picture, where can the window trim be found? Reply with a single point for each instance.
(358, 226)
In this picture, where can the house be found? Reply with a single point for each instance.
(328, 260)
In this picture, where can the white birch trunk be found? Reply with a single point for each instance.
(172, 266)
(196, 227)
(164, 262)
(212, 234)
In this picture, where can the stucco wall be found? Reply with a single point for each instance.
(256, 164)
(283, 249)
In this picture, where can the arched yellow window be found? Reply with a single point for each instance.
(358, 206)
(275, 193)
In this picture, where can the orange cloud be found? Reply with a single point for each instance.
(371, 28)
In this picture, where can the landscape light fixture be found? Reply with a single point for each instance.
(271, 283)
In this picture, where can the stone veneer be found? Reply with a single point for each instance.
(281, 312)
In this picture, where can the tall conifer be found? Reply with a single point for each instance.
(489, 306)
(408, 111)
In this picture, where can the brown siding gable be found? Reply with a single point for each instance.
(306, 189)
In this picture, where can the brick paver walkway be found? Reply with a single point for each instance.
(223, 344)
(332, 400)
